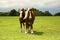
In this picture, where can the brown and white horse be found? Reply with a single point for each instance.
(29, 19)
(21, 16)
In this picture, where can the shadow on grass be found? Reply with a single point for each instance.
(38, 33)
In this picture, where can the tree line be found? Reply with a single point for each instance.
(37, 12)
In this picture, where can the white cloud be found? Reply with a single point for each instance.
(29, 3)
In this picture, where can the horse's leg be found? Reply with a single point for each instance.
(20, 20)
(24, 25)
(31, 28)
(26, 28)
(20, 27)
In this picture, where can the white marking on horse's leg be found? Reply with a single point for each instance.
(25, 29)
(20, 30)
(20, 27)
(25, 32)
(32, 31)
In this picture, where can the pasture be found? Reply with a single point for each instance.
(45, 28)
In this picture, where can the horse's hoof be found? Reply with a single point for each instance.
(32, 32)
(25, 32)
(20, 30)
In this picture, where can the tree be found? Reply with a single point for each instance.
(4, 13)
(37, 12)
(41, 13)
(47, 13)
(57, 14)
(13, 12)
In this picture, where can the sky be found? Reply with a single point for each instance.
(52, 6)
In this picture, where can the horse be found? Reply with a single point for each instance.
(29, 20)
(21, 16)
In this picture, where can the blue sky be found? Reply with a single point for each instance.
(52, 6)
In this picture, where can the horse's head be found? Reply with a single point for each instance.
(28, 13)
(22, 12)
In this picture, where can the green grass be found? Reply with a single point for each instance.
(45, 28)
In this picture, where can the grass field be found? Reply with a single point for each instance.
(45, 28)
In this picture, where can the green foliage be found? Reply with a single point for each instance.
(57, 14)
(47, 13)
(4, 13)
(37, 12)
(13, 12)
(40, 13)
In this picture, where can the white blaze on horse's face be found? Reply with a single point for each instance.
(30, 16)
(29, 9)
(26, 13)
(20, 14)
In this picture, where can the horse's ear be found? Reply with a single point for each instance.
(32, 9)
(25, 10)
